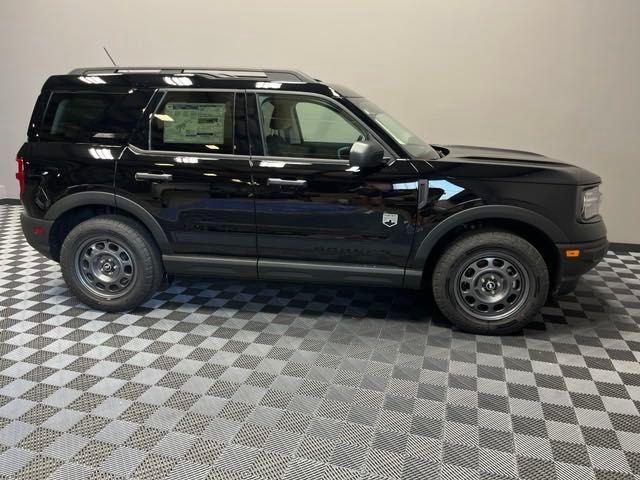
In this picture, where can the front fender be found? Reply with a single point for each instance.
(423, 249)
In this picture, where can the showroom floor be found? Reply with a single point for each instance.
(266, 381)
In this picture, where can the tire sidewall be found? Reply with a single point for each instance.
(122, 232)
(458, 255)
(463, 260)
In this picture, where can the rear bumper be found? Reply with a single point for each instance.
(570, 269)
(37, 232)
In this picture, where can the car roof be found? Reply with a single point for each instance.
(268, 74)
(118, 78)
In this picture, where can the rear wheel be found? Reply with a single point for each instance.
(490, 282)
(111, 263)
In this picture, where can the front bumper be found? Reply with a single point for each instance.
(570, 269)
(37, 232)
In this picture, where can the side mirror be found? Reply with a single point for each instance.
(366, 154)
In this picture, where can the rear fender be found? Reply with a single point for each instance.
(119, 203)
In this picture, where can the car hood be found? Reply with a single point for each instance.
(511, 165)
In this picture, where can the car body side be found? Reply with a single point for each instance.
(436, 198)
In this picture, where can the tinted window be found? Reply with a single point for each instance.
(194, 122)
(305, 126)
(321, 124)
(92, 117)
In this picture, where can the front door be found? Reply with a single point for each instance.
(195, 177)
(311, 206)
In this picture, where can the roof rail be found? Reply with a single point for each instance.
(269, 74)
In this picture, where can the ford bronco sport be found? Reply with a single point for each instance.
(130, 175)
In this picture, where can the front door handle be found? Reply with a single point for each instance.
(162, 177)
(289, 183)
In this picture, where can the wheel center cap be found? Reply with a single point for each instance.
(490, 285)
(108, 267)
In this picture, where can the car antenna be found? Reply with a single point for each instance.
(110, 57)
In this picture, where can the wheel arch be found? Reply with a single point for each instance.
(77, 207)
(541, 232)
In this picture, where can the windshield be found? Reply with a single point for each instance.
(405, 138)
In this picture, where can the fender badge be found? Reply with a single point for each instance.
(389, 219)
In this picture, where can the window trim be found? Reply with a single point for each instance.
(163, 93)
(213, 156)
(340, 106)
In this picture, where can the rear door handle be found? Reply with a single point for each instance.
(290, 183)
(162, 177)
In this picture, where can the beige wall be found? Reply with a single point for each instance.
(559, 77)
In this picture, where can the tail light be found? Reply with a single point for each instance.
(20, 174)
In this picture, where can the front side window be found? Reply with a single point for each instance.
(307, 127)
(194, 122)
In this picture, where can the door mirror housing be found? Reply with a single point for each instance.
(366, 154)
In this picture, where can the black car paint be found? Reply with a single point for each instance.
(235, 223)
(337, 216)
(207, 207)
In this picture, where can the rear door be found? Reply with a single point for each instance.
(312, 207)
(190, 169)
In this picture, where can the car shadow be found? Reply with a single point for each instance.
(590, 306)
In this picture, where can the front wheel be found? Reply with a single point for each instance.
(490, 282)
(111, 263)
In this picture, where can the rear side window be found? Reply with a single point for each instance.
(194, 122)
(91, 117)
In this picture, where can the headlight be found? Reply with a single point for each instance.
(591, 200)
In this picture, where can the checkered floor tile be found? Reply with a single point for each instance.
(228, 380)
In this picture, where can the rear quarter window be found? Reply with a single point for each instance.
(92, 117)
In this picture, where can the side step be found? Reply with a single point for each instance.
(284, 270)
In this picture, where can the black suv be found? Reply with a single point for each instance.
(130, 175)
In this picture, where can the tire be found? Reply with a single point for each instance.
(490, 282)
(134, 272)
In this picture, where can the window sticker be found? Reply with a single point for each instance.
(194, 123)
